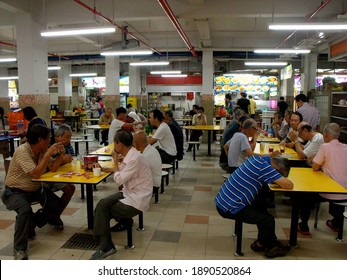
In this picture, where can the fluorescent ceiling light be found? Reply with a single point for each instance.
(83, 74)
(266, 63)
(8, 59)
(282, 51)
(149, 63)
(175, 76)
(53, 67)
(165, 72)
(124, 53)
(80, 31)
(308, 26)
(9, 78)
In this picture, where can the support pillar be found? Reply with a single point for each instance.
(135, 85)
(65, 100)
(207, 85)
(112, 95)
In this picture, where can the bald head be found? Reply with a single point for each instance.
(331, 131)
(140, 140)
(303, 125)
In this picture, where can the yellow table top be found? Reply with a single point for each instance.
(85, 119)
(289, 153)
(203, 127)
(66, 168)
(307, 180)
(267, 139)
(104, 151)
(96, 126)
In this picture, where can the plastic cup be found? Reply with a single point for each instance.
(262, 146)
(271, 149)
(282, 149)
(97, 171)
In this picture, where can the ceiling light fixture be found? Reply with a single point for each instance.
(80, 31)
(53, 67)
(308, 26)
(282, 51)
(266, 63)
(127, 53)
(8, 59)
(149, 63)
(175, 76)
(165, 72)
(9, 78)
(83, 74)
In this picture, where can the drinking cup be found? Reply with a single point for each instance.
(271, 149)
(97, 171)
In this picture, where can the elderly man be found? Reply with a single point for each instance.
(238, 148)
(134, 175)
(105, 119)
(279, 125)
(295, 119)
(331, 158)
(198, 119)
(309, 113)
(176, 132)
(30, 161)
(315, 139)
(240, 197)
(163, 135)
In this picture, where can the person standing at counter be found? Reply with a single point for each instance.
(309, 113)
(282, 106)
(244, 103)
(252, 106)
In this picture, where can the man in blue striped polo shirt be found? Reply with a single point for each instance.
(240, 197)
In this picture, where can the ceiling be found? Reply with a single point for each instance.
(232, 29)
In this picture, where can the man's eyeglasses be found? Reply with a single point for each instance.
(255, 128)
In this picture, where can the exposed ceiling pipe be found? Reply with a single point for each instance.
(95, 12)
(177, 25)
(322, 5)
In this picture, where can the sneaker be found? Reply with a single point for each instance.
(99, 254)
(329, 224)
(20, 255)
(303, 229)
(279, 250)
(102, 142)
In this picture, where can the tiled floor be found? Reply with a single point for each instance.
(184, 225)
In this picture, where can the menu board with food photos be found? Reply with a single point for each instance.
(245, 83)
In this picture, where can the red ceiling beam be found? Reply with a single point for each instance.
(177, 25)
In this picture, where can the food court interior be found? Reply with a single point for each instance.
(209, 43)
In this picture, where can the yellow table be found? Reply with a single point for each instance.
(104, 151)
(306, 180)
(53, 177)
(209, 129)
(289, 153)
(268, 139)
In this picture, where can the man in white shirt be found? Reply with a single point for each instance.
(134, 175)
(163, 135)
(119, 123)
(315, 139)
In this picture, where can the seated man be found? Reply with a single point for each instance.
(240, 198)
(176, 132)
(30, 161)
(198, 119)
(134, 175)
(105, 118)
(279, 126)
(163, 135)
(63, 135)
(295, 119)
(331, 158)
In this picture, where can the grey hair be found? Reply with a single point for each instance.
(238, 113)
(283, 164)
(332, 129)
(249, 123)
(62, 128)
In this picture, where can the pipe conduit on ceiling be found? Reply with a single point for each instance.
(322, 5)
(177, 25)
(115, 24)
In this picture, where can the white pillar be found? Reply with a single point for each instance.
(65, 89)
(135, 84)
(310, 70)
(207, 85)
(112, 96)
(4, 99)
(32, 65)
